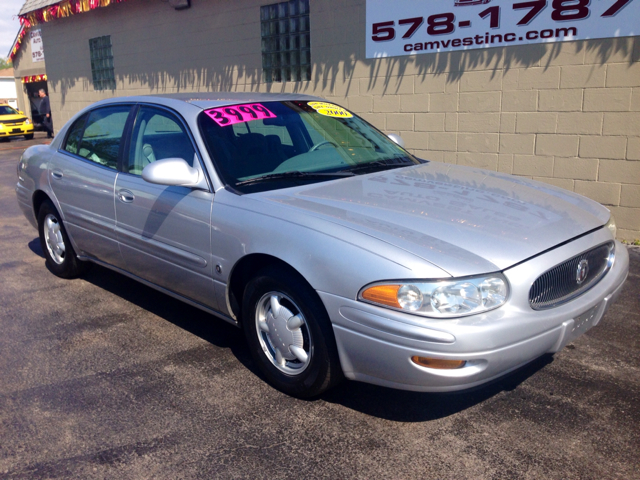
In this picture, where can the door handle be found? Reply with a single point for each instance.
(126, 196)
(56, 174)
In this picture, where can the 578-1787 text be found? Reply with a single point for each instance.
(445, 23)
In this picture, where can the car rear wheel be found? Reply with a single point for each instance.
(289, 334)
(59, 254)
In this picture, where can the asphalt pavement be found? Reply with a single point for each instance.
(102, 377)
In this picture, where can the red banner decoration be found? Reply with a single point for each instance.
(17, 43)
(34, 78)
(63, 9)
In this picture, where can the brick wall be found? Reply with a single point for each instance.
(566, 113)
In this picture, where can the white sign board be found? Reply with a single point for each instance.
(409, 27)
(37, 52)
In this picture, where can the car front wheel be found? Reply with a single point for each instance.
(59, 254)
(289, 334)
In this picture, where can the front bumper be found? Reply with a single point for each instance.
(16, 130)
(376, 344)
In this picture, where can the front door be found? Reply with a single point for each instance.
(164, 231)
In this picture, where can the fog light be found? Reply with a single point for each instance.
(438, 363)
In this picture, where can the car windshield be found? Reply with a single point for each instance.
(270, 145)
(7, 110)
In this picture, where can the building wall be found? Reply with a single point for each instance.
(23, 66)
(565, 113)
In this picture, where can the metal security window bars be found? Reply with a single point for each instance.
(102, 63)
(286, 46)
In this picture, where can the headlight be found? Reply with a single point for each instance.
(440, 298)
(611, 225)
(27, 121)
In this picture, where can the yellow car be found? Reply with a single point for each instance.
(14, 123)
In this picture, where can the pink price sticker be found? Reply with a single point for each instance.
(225, 116)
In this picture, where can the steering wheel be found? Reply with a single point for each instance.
(318, 145)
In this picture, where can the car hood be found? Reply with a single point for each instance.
(465, 221)
(12, 118)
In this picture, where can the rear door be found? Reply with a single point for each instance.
(164, 231)
(82, 175)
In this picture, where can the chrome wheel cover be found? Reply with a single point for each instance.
(283, 333)
(53, 239)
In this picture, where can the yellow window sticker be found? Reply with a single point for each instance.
(330, 110)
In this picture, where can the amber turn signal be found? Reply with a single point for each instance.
(438, 363)
(383, 294)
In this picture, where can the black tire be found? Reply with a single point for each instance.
(60, 256)
(29, 136)
(299, 379)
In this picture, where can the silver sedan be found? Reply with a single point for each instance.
(337, 252)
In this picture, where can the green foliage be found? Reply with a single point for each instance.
(5, 63)
(635, 242)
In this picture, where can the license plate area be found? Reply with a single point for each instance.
(585, 321)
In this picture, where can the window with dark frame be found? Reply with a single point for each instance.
(286, 54)
(102, 63)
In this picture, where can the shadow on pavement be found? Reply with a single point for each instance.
(381, 402)
(16, 143)
(404, 406)
(195, 321)
(35, 247)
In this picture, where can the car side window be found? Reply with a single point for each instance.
(103, 134)
(72, 144)
(157, 135)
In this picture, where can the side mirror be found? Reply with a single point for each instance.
(397, 139)
(20, 112)
(174, 172)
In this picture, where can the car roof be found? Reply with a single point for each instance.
(205, 100)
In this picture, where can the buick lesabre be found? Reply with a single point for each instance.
(338, 252)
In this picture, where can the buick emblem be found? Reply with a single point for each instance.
(582, 271)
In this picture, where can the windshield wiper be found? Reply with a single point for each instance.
(379, 165)
(294, 174)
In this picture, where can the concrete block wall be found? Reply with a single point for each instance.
(567, 114)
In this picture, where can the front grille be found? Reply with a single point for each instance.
(560, 284)
(13, 122)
